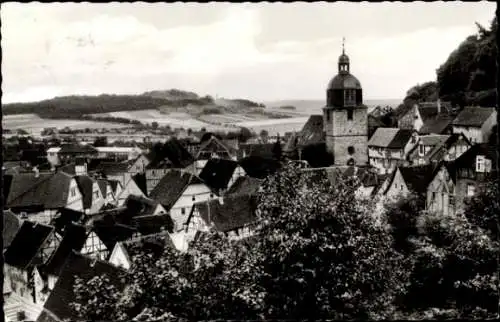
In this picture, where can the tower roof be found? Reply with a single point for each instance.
(344, 81)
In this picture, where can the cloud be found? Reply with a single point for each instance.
(261, 51)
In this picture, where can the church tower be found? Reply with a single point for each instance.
(345, 118)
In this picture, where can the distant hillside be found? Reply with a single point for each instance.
(314, 106)
(76, 106)
(172, 94)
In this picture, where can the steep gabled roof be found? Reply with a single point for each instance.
(111, 233)
(392, 138)
(73, 240)
(473, 116)
(235, 212)
(83, 267)
(244, 186)
(48, 190)
(65, 217)
(437, 152)
(171, 187)
(85, 184)
(25, 246)
(152, 224)
(417, 178)
(218, 172)
(468, 159)
(140, 206)
(438, 125)
(141, 182)
(103, 184)
(312, 132)
(213, 144)
(264, 150)
(433, 139)
(11, 225)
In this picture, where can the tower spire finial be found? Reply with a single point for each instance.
(343, 45)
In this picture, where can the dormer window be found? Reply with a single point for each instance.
(480, 163)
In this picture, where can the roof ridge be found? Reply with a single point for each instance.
(32, 187)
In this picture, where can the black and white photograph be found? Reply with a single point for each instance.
(264, 161)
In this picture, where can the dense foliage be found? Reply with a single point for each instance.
(317, 253)
(467, 77)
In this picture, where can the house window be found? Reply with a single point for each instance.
(471, 190)
(480, 163)
(96, 195)
(349, 97)
(73, 192)
(350, 150)
(421, 150)
(349, 115)
(183, 211)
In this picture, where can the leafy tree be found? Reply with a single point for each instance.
(154, 125)
(264, 135)
(328, 258)
(454, 269)
(482, 210)
(101, 141)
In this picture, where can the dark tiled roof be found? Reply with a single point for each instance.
(417, 178)
(438, 152)
(65, 217)
(141, 182)
(173, 155)
(433, 139)
(152, 224)
(111, 233)
(473, 116)
(140, 206)
(103, 184)
(74, 239)
(77, 148)
(218, 172)
(49, 190)
(264, 150)
(215, 145)
(244, 186)
(438, 125)
(171, 187)
(257, 167)
(68, 168)
(468, 159)
(94, 163)
(26, 244)
(112, 168)
(114, 184)
(312, 132)
(383, 137)
(85, 184)
(7, 180)
(400, 139)
(428, 111)
(11, 225)
(85, 268)
(235, 212)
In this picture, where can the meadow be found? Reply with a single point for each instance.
(34, 124)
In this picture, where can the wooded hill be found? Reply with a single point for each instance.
(76, 105)
(467, 77)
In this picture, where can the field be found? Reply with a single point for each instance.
(33, 124)
(174, 120)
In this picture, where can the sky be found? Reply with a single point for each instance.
(258, 51)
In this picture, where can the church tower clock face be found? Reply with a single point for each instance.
(345, 117)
